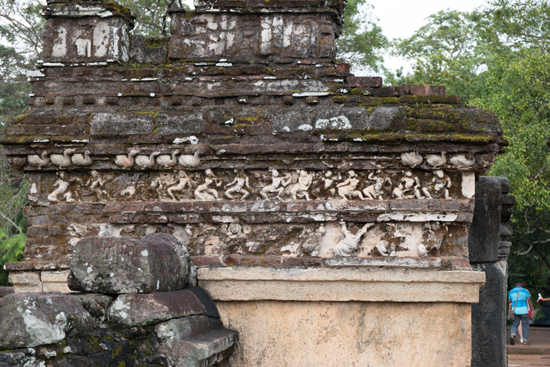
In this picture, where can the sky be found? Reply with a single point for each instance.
(401, 18)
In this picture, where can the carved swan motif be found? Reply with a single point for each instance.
(166, 161)
(436, 161)
(39, 161)
(82, 159)
(461, 161)
(146, 162)
(412, 159)
(126, 161)
(62, 160)
(188, 160)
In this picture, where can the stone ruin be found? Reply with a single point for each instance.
(319, 208)
(135, 309)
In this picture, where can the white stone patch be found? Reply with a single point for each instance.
(191, 139)
(286, 128)
(310, 94)
(41, 140)
(418, 217)
(305, 127)
(144, 253)
(80, 141)
(42, 332)
(230, 121)
(33, 189)
(224, 64)
(270, 77)
(151, 94)
(35, 74)
(59, 48)
(83, 47)
(99, 63)
(468, 184)
(101, 39)
(52, 64)
(335, 123)
(265, 36)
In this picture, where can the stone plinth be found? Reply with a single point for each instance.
(346, 317)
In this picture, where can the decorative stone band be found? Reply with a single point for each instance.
(341, 285)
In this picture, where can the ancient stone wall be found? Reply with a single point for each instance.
(242, 137)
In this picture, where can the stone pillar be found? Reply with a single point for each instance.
(489, 250)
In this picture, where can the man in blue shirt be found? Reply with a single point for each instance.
(519, 300)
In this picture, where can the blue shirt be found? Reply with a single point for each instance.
(520, 308)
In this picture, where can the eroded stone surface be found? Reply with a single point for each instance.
(32, 319)
(130, 310)
(123, 265)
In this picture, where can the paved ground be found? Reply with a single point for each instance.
(534, 355)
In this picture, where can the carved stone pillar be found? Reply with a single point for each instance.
(324, 212)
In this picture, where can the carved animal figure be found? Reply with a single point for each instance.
(62, 160)
(349, 243)
(188, 160)
(146, 162)
(167, 161)
(39, 161)
(435, 160)
(461, 161)
(126, 162)
(412, 159)
(82, 160)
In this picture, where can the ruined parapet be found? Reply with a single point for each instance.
(288, 178)
(117, 319)
(489, 249)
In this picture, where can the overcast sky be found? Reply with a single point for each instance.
(401, 18)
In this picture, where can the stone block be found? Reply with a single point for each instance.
(121, 124)
(489, 317)
(130, 310)
(40, 318)
(96, 304)
(188, 342)
(111, 265)
(26, 281)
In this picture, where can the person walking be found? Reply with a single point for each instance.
(519, 300)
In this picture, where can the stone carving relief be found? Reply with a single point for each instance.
(126, 161)
(241, 185)
(461, 161)
(348, 245)
(82, 160)
(436, 161)
(61, 187)
(62, 160)
(412, 159)
(39, 161)
(144, 162)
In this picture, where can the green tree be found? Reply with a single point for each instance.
(362, 42)
(498, 58)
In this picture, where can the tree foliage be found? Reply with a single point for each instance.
(498, 58)
(362, 42)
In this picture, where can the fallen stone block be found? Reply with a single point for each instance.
(32, 319)
(188, 342)
(115, 265)
(131, 310)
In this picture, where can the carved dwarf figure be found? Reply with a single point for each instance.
(62, 187)
(96, 183)
(300, 188)
(240, 181)
(349, 187)
(376, 191)
(183, 181)
(204, 192)
(277, 185)
(349, 243)
(441, 183)
(408, 188)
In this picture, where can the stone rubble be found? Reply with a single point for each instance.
(179, 328)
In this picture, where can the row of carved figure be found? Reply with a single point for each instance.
(458, 161)
(299, 185)
(68, 158)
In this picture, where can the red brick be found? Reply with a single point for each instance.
(364, 81)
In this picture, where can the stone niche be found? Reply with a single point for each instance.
(330, 207)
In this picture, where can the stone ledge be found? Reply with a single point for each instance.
(341, 285)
